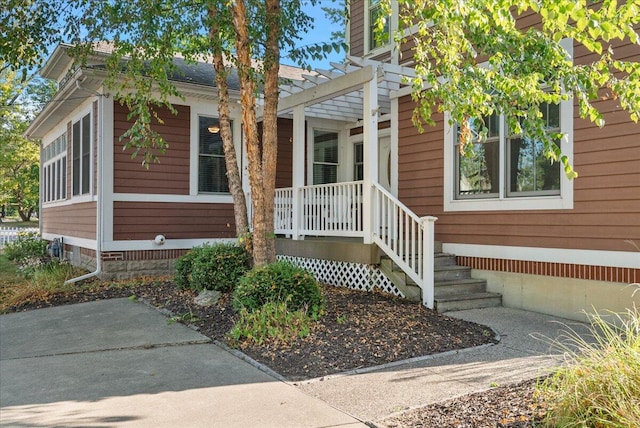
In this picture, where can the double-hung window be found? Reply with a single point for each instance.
(325, 157)
(81, 152)
(212, 168)
(376, 39)
(54, 170)
(501, 170)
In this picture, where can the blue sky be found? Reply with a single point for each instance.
(321, 33)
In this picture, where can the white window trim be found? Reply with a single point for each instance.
(344, 157)
(52, 161)
(368, 51)
(82, 197)
(562, 201)
(197, 110)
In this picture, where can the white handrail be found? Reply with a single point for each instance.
(406, 238)
(325, 210)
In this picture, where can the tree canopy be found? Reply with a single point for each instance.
(20, 157)
(144, 38)
(475, 58)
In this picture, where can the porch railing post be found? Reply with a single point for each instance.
(297, 180)
(370, 153)
(428, 226)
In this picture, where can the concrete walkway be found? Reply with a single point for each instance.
(120, 363)
(524, 352)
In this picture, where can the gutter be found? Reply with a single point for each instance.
(99, 175)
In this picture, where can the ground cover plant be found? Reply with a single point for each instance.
(600, 385)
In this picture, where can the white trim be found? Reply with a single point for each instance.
(368, 52)
(105, 175)
(71, 240)
(209, 109)
(624, 259)
(169, 244)
(564, 201)
(168, 198)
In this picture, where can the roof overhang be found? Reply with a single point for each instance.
(78, 87)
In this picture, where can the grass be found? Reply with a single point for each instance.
(15, 288)
(600, 387)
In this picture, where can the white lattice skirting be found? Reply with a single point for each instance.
(344, 274)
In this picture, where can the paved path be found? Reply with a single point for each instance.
(119, 363)
(524, 352)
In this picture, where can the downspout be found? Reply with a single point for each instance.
(99, 175)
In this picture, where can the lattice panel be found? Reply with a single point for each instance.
(344, 274)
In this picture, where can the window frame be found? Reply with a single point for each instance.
(85, 149)
(370, 49)
(222, 156)
(54, 170)
(314, 162)
(508, 201)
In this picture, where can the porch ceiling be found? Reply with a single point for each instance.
(337, 94)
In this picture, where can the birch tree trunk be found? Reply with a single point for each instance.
(234, 177)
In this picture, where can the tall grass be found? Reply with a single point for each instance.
(600, 385)
(41, 282)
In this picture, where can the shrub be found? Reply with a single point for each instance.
(217, 267)
(278, 282)
(273, 321)
(600, 387)
(27, 246)
(184, 266)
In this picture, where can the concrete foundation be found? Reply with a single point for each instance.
(562, 297)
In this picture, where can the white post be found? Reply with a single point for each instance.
(370, 153)
(427, 224)
(298, 167)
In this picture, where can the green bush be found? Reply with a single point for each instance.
(27, 246)
(184, 266)
(273, 321)
(278, 282)
(214, 267)
(600, 387)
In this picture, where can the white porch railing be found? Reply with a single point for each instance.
(406, 238)
(337, 210)
(10, 234)
(325, 210)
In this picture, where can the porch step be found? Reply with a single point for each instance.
(468, 301)
(455, 289)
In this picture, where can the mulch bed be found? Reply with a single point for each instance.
(512, 406)
(358, 329)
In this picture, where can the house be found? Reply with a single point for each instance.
(363, 198)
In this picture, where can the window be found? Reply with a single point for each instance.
(376, 39)
(212, 169)
(325, 157)
(529, 170)
(54, 170)
(81, 152)
(358, 161)
(505, 171)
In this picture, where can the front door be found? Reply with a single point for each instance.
(384, 162)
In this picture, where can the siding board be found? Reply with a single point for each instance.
(171, 174)
(76, 220)
(145, 220)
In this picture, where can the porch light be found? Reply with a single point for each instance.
(214, 129)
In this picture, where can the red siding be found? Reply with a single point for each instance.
(77, 220)
(357, 29)
(171, 175)
(284, 172)
(145, 220)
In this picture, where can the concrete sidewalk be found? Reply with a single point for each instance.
(119, 363)
(525, 351)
